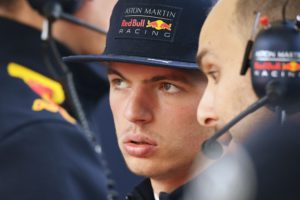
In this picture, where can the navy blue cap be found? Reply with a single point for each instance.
(153, 32)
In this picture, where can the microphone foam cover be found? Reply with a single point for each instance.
(212, 149)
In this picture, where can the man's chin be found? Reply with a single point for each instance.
(140, 171)
(141, 167)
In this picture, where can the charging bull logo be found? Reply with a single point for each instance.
(50, 91)
(292, 66)
(159, 25)
(44, 104)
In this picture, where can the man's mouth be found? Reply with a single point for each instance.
(139, 146)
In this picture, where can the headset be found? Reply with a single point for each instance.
(274, 59)
(68, 6)
(63, 9)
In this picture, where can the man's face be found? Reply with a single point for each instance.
(220, 54)
(155, 115)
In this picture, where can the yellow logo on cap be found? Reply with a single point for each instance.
(159, 25)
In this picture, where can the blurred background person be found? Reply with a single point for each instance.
(265, 165)
(46, 154)
(228, 93)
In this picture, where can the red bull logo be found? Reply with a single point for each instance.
(50, 91)
(133, 23)
(48, 105)
(291, 66)
(159, 25)
(40, 89)
(267, 66)
(277, 69)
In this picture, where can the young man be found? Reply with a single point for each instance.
(44, 153)
(267, 166)
(228, 93)
(154, 90)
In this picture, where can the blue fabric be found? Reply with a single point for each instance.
(153, 32)
(274, 152)
(42, 155)
(15, 113)
(144, 191)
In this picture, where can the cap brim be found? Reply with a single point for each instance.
(131, 59)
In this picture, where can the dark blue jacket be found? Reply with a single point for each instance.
(42, 154)
(274, 152)
(144, 191)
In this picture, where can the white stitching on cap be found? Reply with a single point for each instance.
(157, 60)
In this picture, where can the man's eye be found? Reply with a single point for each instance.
(170, 88)
(213, 75)
(119, 83)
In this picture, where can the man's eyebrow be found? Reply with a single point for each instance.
(172, 77)
(111, 71)
(187, 79)
(199, 58)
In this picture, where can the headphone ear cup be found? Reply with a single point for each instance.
(276, 59)
(68, 6)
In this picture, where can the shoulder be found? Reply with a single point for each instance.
(28, 96)
(50, 160)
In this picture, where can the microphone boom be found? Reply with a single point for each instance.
(211, 147)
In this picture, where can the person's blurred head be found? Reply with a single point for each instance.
(79, 39)
(82, 40)
(223, 40)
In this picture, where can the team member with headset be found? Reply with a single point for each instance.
(44, 153)
(228, 93)
(93, 95)
(266, 166)
(155, 88)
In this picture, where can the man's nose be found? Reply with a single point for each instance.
(206, 113)
(139, 106)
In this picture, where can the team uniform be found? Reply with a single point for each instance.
(44, 153)
(144, 191)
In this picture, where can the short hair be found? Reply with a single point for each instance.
(245, 12)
